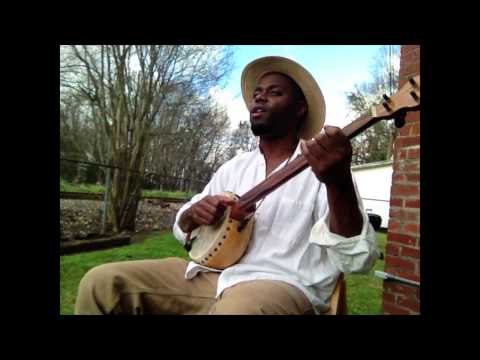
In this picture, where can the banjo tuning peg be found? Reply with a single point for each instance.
(400, 121)
(414, 95)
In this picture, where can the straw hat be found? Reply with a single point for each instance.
(313, 95)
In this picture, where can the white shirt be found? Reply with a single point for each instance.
(291, 241)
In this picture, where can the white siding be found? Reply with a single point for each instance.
(374, 183)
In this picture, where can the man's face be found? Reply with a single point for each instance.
(275, 107)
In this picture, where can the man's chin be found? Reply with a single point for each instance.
(260, 129)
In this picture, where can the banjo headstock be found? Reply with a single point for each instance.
(396, 107)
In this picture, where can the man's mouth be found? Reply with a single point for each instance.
(257, 111)
(256, 115)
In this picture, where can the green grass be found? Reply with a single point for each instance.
(364, 292)
(170, 194)
(96, 189)
(89, 188)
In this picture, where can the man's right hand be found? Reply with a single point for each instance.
(204, 212)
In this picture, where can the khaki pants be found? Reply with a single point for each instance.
(159, 287)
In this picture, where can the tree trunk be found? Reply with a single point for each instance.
(125, 196)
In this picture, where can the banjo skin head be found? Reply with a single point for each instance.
(222, 244)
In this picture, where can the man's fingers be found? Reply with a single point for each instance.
(316, 149)
(225, 200)
(307, 152)
(209, 207)
(320, 146)
(203, 217)
(334, 137)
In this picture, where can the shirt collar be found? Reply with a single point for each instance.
(297, 151)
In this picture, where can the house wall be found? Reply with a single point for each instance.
(374, 185)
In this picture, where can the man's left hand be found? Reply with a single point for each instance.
(329, 155)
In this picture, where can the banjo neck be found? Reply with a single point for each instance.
(396, 107)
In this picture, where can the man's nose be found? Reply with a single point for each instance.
(260, 96)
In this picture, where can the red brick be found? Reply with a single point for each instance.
(411, 304)
(401, 214)
(411, 203)
(405, 130)
(392, 249)
(412, 216)
(410, 59)
(409, 70)
(397, 262)
(414, 129)
(410, 56)
(393, 225)
(396, 202)
(388, 297)
(389, 308)
(393, 213)
(405, 141)
(413, 177)
(413, 153)
(398, 178)
(409, 51)
(411, 127)
(412, 167)
(402, 238)
(410, 252)
(405, 290)
(405, 190)
(413, 117)
(413, 228)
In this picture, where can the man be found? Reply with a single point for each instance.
(307, 232)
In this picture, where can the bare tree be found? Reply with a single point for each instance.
(242, 138)
(128, 89)
(376, 143)
(193, 142)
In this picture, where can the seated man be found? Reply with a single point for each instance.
(307, 232)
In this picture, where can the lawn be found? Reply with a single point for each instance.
(364, 292)
(66, 186)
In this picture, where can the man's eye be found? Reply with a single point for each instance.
(275, 92)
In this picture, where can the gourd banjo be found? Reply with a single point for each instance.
(223, 244)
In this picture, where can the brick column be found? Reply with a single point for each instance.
(403, 242)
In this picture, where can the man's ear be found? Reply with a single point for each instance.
(302, 109)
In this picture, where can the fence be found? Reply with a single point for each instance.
(86, 176)
(90, 176)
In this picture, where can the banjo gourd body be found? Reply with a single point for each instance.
(221, 245)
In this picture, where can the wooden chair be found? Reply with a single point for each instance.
(338, 301)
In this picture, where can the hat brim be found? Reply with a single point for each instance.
(316, 103)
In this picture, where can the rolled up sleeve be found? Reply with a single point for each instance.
(356, 254)
(177, 231)
(214, 187)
